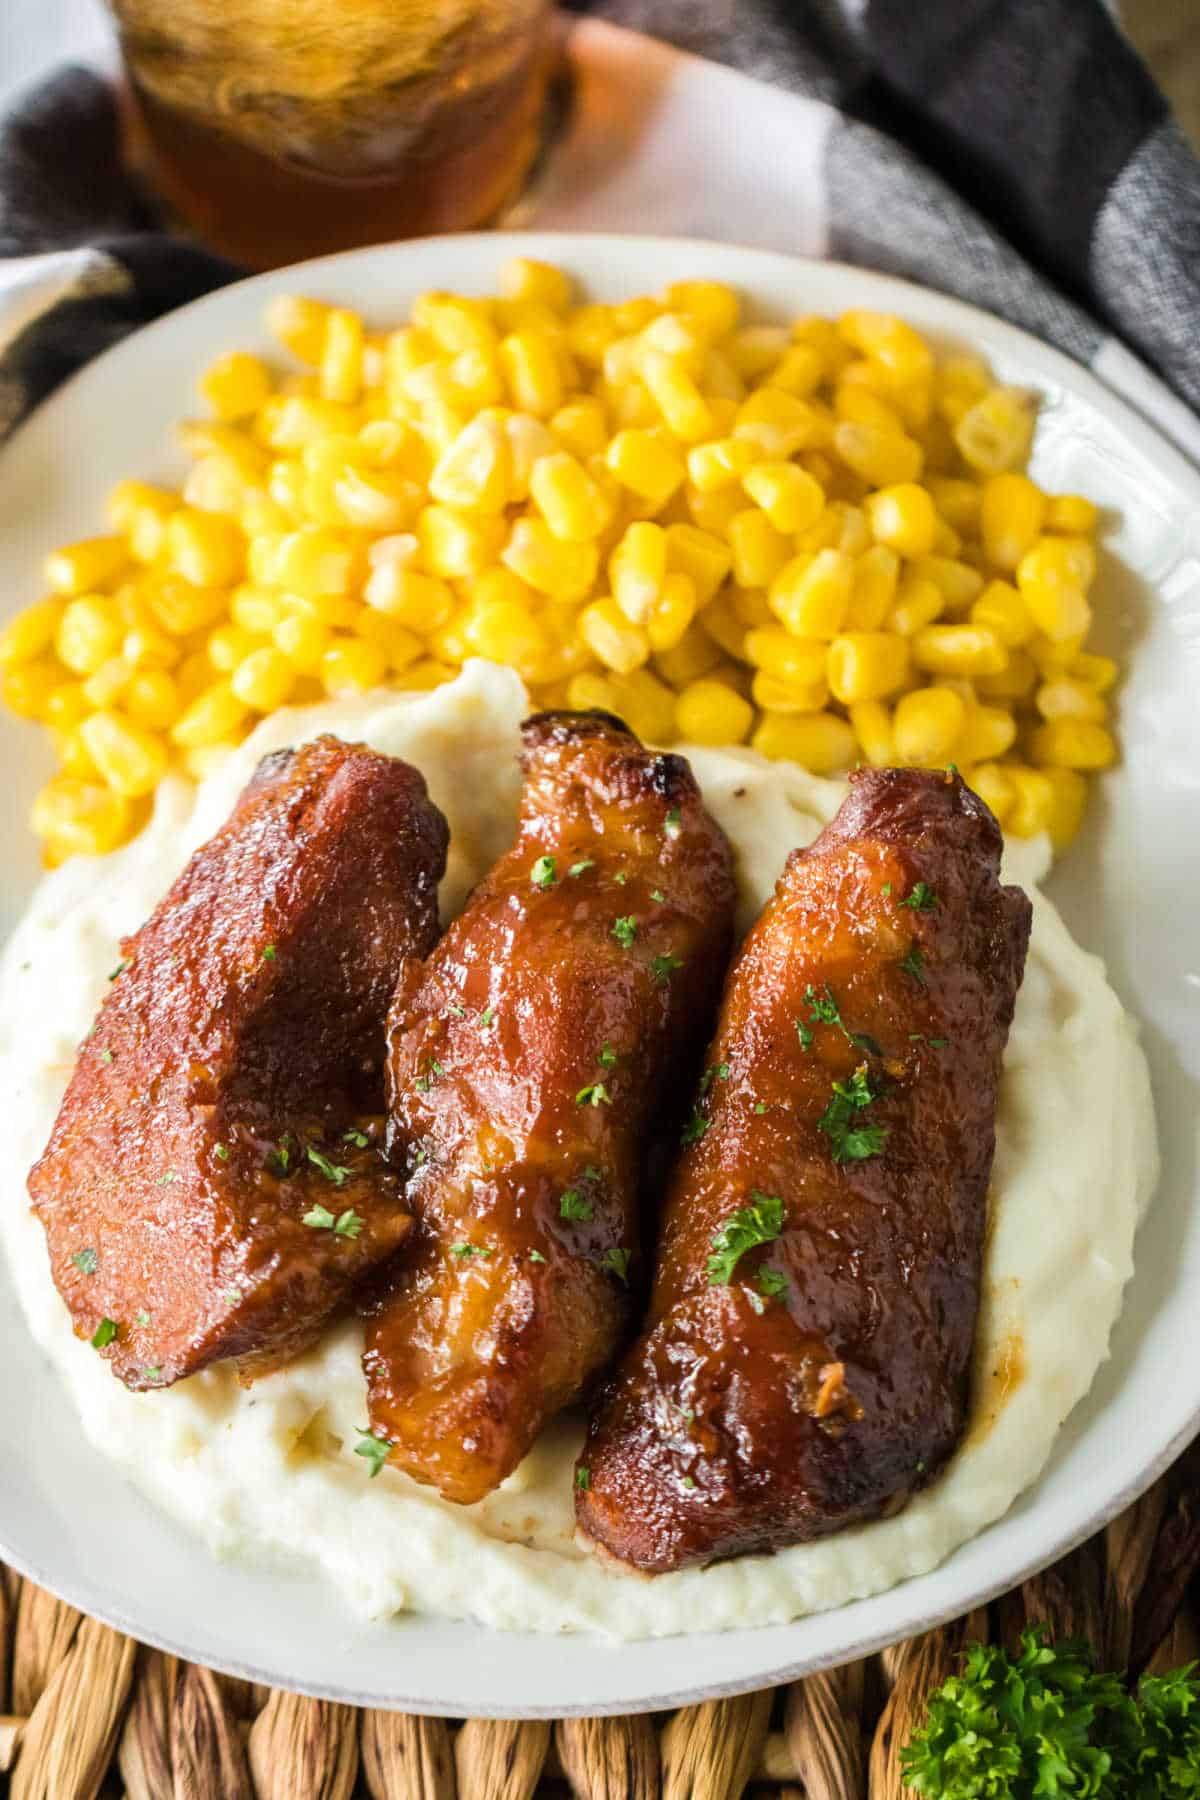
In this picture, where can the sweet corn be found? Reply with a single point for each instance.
(701, 556)
(867, 665)
(872, 723)
(1100, 672)
(211, 716)
(458, 543)
(1074, 743)
(694, 655)
(521, 278)
(876, 574)
(1001, 608)
(108, 683)
(965, 650)
(27, 687)
(507, 632)
(708, 712)
(31, 632)
(204, 548)
(1072, 514)
(303, 640)
(131, 759)
(563, 572)
(994, 785)
(476, 470)
(684, 410)
(995, 433)
(1068, 804)
(778, 424)
(79, 818)
(788, 495)
(672, 612)
(236, 385)
(612, 639)
(927, 725)
(152, 698)
(818, 741)
(401, 646)
(812, 596)
(1012, 513)
(989, 732)
(637, 569)
(352, 666)
(1067, 698)
(299, 324)
(1053, 578)
(581, 427)
(531, 369)
(1032, 805)
(79, 568)
(890, 342)
(759, 549)
(720, 464)
(883, 457)
(264, 679)
(89, 632)
(574, 506)
(342, 357)
(645, 465)
(903, 517)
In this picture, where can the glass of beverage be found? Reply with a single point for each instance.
(279, 129)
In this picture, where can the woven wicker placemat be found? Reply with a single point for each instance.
(86, 1712)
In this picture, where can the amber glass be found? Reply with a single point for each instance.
(279, 129)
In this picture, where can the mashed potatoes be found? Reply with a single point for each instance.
(270, 1472)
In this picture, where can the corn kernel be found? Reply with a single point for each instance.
(1067, 698)
(1012, 512)
(882, 457)
(799, 370)
(637, 569)
(1033, 801)
(563, 572)
(521, 278)
(856, 401)
(507, 632)
(581, 426)
(214, 714)
(988, 733)
(299, 325)
(708, 712)
(419, 602)
(204, 548)
(1100, 672)
(672, 612)
(352, 666)
(341, 368)
(645, 465)
(475, 471)
(27, 687)
(303, 640)
(1054, 656)
(107, 683)
(531, 369)
(611, 638)
(1068, 805)
(235, 385)
(872, 723)
(958, 582)
(1072, 514)
(818, 741)
(995, 433)
(1049, 580)
(131, 759)
(812, 596)
(876, 575)
(778, 424)
(927, 724)
(182, 608)
(92, 563)
(965, 650)
(712, 305)
(776, 695)
(889, 341)
(229, 645)
(1001, 608)
(1016, 682)
(995, 788)
(152, 698)
(720, 464)
(694, 655)
(1074, 743)
(788, 495)
(65, 706)
(572, 503)
(918, 603)
(902, 516)
(264, 679)
(701, 556)
(724, 626)
(30, 632)
(89, 632)
(401, 646)
(683, 407)
(867, 665)
(80, 818)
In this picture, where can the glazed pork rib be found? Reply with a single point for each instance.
(806, 1360)
(214, 1185)
(553, 1031)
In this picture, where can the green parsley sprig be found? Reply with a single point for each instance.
(759, 1223)
(851, 1139)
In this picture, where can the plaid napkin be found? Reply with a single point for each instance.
(1019, 156)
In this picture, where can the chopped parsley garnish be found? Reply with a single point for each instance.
(825, 1009)
(279, 1159)
(592, 1173)
(120, 968)
(106, 1056)
(850, 1139)
(574, 1205)
(462, 1250)
(154, 1374)
(886, 889)
(346, 1225)
(771, 1282)
(689, 1481)
(423, 1083)
(938, 1043)
(542, 872)
(918, 1037)
(319, 1218)
(375, 1450)
(761, 1108)
(663, 967)
(715, 1072)
(620, 878)
(625, 931)
(922, 898)
(804, 1034)
(658, 895)
(356, 1137)
(142, 1319)
(695, 1129)
(349, 1224)
(759, 1223)
(608, 1057)
(594, 1095)
(270, 954)
(166, 1180)
(221, 1152)
(583, 1478)
(104, 1334)
(914, 964)
(486, 1017)
(616, 1261)
(460, 1012)
(334, 1172)
(674, 823)
(86, 1261)
(582, 866)
(536, 1256)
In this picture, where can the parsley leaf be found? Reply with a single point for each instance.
(583, 1478)
(334, 1172)
(221, 1152)
(574, 1205)
(120, 968)
(715, 1072)
(625, 931)
(771, 1282)
(804, 1034)
(349, 1224)
(104, 1334)
(270, 954)
(674, 823)
(142, 1319)
(759, 1223)
(462, 1250)
(319, 1218)
(825, 1009)
(663, 967)
(581, 867)
(850, 1140)
(279, 1159)
(106, 1056)
(608, 1057)
(376, 1451)
(657, 894)
(536, 1256)
(486, 1017)
(542, 872)
(594, 1095)
(914, 964)
(922, 898)
(86, 1261)
(695, 1129)
(616, 1261)
(356, 1137)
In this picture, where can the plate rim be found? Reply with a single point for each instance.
(955, 316)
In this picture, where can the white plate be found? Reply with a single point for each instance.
(1129, 889)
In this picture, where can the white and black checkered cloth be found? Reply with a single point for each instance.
(1013, 152)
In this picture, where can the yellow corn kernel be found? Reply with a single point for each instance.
(563, 572)
(903, 518)
(458, 543)
(229, 645)
(130, 501)
(1001, 608)
(92, 563)
(1072, 514)
(799, 371)
(751, 606)
(531, 369)
(352, 666)
(725, 627)
(181, 608)
(1074, 744)
(293, 490)
(1054, 657)
(708, 712)
(581, 426)
(1049, 578)
(303, 640)
(65, 706)
(215, 485)
(152, 698)
(1066, 698)
(779, 424)
(204, 548)
(475, 471)
(995, 433)
(759, 549)
(215, 713)
(1070, 796)
(693, 656)
(786, 657)
(74, 757)
(235, 385)
(418, 602)
(672, 612)
(858, 401)
(721, 463)
(108, 683)
(611, 638)
(965, 650)
(876, 575)
(788, 495)
(341, 368)
(701, 556)
(872, 723)
(992, 783)
(27, 688)
(573, 504)
(383, 500)
(89, 633)
(812, 596)
(756, 349)
(80, 818)
(521, 278)
(989, 732)
(946, 541)
(591, 689)
(508, 632)
(144, 646)
(1012, 513)
(257, 610)
(818, 741)
(918, 603)
(1016, 682)
(1033, 800)
(889, 341)
(867, 665)
(684, 410)
(711, 305)
(131, 759)
(958, 582)
(1100, 672)
(264, 679)
(714, 512)
(927, 725)
(957, 502)
(645, 465)
(299, 325)
(528, 439)
(853, 533)
(401, 646)
(30, 632)
(637, 569)
(775, 695)
(882, 457)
